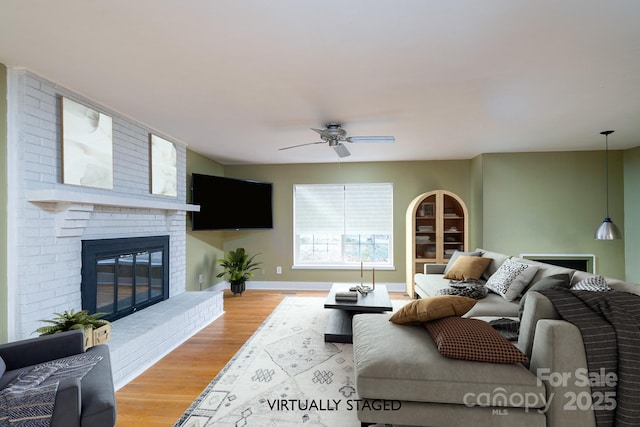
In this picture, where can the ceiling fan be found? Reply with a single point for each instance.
(335, 136)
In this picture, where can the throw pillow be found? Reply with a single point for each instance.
(550, 282)
(467, 267)
(472, 339)
(593, 284)
(425, 309)
(469, 290)
(455, 256)
(511, 278)
(3, 367)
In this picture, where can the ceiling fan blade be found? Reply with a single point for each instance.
(384, 139)
(323, 132)
(302, 145)
(341, 150)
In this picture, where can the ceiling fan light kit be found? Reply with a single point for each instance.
(335, 135)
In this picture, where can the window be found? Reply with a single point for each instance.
(342, 225)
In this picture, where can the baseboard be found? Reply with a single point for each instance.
(308, 286)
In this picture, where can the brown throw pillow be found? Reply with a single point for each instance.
(425, 309)
(472, 339)
(468, 267)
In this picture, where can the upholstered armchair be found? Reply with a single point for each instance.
(89, 401)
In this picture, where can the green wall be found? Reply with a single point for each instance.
(276, 246)
(518, 202)
(203, 248)
(476, 208)
(632, 213)
(553, 203)
(3, 206)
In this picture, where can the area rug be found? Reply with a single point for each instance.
(284, 375)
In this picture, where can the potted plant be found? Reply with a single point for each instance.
(96, 330)
(238, 268)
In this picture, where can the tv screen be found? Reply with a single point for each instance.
(231, 204)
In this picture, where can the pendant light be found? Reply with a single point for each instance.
(607, 230)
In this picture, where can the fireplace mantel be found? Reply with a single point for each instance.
(66, 197)
(73, 209)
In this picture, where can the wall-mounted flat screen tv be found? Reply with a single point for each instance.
(231, 204)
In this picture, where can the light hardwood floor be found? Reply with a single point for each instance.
(162, 393)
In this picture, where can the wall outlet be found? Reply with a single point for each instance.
(278, 270)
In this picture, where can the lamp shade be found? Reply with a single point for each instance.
(608, 231)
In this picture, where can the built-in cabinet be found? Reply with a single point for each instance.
(437, 225)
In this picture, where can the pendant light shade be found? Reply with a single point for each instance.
(607, 230)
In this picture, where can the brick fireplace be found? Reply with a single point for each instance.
(49, 220)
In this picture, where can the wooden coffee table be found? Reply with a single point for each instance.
(339, 325)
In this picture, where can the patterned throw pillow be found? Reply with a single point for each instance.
(593, 284)
(472, 339)
(511, 278)
(469, 290)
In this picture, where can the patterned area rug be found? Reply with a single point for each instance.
(284, 375)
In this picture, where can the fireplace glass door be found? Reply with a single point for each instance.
(121, 276)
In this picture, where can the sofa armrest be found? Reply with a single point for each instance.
(536, 307)
(559, 361)
(434, 268)
(98, 396)
(19, 354)
(66, 412)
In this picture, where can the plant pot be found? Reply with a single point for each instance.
(102, 334)
(88, 337)
(237, 287)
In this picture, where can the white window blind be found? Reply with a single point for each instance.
(319, 208)
(343, 224)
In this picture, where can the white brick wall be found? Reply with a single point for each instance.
(47, 267)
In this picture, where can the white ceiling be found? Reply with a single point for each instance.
(238, 79)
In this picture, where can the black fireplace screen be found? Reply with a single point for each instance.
(121, 276)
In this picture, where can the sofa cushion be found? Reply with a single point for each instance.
(495, 306)
(467, 267)
(545, 270)
(402, 363)
(622, 286)
(472, 339)
(511, 278)
(491, 305)
(592, 284)
(497, 258)
(455, 256)
(425, 309)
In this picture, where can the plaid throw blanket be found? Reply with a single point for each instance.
(610, 326)
(28, 400)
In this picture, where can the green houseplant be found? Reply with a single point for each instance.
(70, 320)
(238, 268)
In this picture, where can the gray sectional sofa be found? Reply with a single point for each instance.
(401, 364)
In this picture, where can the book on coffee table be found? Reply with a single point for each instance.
(347, 296)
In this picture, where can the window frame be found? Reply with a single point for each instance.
(344, 264)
